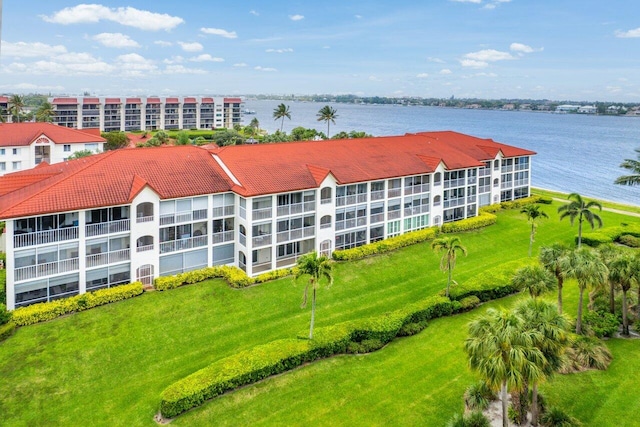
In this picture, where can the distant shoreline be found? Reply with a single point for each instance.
(617, 204)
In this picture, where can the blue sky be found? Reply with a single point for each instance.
(580, 50)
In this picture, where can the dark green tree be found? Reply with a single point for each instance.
(632, 166)
(16, 104)
(329, 115)
(449, 247)
(317, 268)
(580, 209)
(552, 258)
(280, 112)
(115, 140)
(533, 213)
(45, 113)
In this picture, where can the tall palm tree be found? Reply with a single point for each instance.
(579, 208)
(534, 279)
(16, 103)
(544, 317)
(608, 253)
(503, 352)
(449, 247)
(533, 213)
(625, 271)
(551, 258)
(45, 112)
(317, 268)
(329, 115)
(3, 115)
(589, 270)
(280, 112)
(633, 166)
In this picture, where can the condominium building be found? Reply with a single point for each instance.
(4, 108)
(26, 145)
(136, 214)
(150, 113)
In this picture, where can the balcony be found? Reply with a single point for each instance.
(416, 189)
(375, 218)
(44, 237)
(183, 217)
(144, 248)
(182, 244)
(454, 202)
(506, 169)
(377, 195)
(522, 166)
(416, 210)
(112, 257)
(520, 182)
(507, 184)
(259, 268)
(290, 209)
(259, 214)
(454, 183)
(140, 219)
(484, 172)
(263, 240)
(394, 192)
(45, 269)
(484, 189)
(298, 233)
(395, 214)
(119, 226)
(223, 211)
(225, 236)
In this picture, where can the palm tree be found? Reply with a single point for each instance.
(327, 114)
(608, 253)
(533, 213)
(16, 103)
(551, 258)
(544, 317)
(317, 267)
(625, 271)
(589, 270)
(255, 124)
(449, 246)
(634, 167)
(45, 112)
(503, 352)
(582, 210)
(534, 279)
(3, 115)
(280, 112)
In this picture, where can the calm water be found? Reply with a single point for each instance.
(576, 153)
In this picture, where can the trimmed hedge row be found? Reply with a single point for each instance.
(234, 276)
(490, 284)
(7, 330)
(282, 355)
(484, 219)
(386, 245)
(609, 234)
(515, 204)
(44, 311)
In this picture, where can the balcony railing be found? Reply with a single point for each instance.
(263, 213)
(43, 237)
(394, 192)
(471, 199)
(375, 218)
(522, 166)
(223, 211)
(187, 216)
(520, 182)
(484, 172)
(454, 183)
(178, 245)
(140, 219)
(144, 248)
(286, 262)
(471, 180)
(263, 240)
(95, 260)
(453, 202)
(416, 189)
(394, 214)
(260, 267)
(298, 233)
(484, 189)
(119, 226)
(377, 195)
(290, 209)
(506, 184)
(416, 210)
(224, 236)
(45, 269)
(505, 169)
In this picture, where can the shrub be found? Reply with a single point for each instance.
(366, 346)
(544, 200)
(7, 330)
(44, 311)
(386, 245)
(472, 419)
(234, 276)
(483, 219)
(556, 417)
(585, 353)
(601, 323)
(610, 234)
(478, 396)
(518, 203)
(629, 240)
(412, 328)
(5, 315)
(469, 303)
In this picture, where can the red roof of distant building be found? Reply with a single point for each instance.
(90, 101)
(189, 100)
(171, 101)
(65, 101)
(21, 134)
(4, 99)
(233, 100)
(207, 100)
(153, 100)
(133, 101)
(112, 101)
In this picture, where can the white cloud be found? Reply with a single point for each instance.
(358, 16)
(30, 50)
(437, 60)
(467, 1)
(240, 64)
(128, 16)
(489, 55)
(163, 43)
(296, 17)
(523, 48)
(422, 75)
(205, 57)
(32, 87)
(174, 60)
(267, 69)
(326, 47)
(254, 13)
(181, 69)
(219, 32)
(374, 79)
(134, 65)
(279, 50)
(473, 63)
(116, 40)
(445, 71)
(628, 34)
(191, 47)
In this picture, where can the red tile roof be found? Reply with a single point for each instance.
(111, 178)
(21, 134)
(65, 101)
(171, 101)
(189, 100)
(207, 100)
(153, 100)
(112, 101)
(90, 101)
(233, 100)
(133, 101)
(4, 99)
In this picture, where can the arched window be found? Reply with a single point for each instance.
(144, 212)
(144, 274)
(325, 248)
(325, 221)
(242, 260)
(325, 195)
(437, 178)
(144, 243)
(436, 201)
(496, 164)
(495, 182)
(437, 220)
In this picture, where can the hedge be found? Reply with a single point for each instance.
(514, 204)
(234, 276)
(386, 245)
(7, 330)
(490, 284)
(279, 356)
(484, 219)
(609, 234)
(44, 311)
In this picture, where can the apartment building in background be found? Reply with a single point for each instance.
(136, 214)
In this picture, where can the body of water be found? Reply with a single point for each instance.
(576, 153)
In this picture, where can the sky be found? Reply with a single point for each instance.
(585, 50)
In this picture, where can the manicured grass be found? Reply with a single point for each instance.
(108, 366)
(604, 203)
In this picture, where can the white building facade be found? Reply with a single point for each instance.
(68, 251)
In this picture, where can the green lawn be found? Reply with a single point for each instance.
(108, 366)
(604, 203)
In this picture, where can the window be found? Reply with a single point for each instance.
(91, 147)
(16, 165)
(2, 151)
(325, 195)
(3, 166)
(437, 178)
(67, 148)
(325, 221)
(16, 151)
(393, 228)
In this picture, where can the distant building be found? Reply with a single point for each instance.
(567, 108)
(588, 109)
(25, 145)
(4, 107)
(136, 214)
(150, 113)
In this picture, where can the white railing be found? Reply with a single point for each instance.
(394, 192)
(258, 268)
(416, 189)
(415, 210)
(263, 240)
(325, 225)
(293, 209)
(471, 199)
(377, 218)
(140, 219)
(45, 269)
(243, 212)
(484, 172)
(263, 213)
(178, 245)
(119, 226)
(377, 195)
(506, 184)
(144, 248)
(454, 183)
(521, 182)
(325, 201)
(43, 237)
(223, 211)
(484, 189)
(224, 236)
(522, 166)
(362, 198)
(454, 202)
(309, 206)
(505, 169)
(471, 180)
(394, 214)
(286, 262)
(95, 260)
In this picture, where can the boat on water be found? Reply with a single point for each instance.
(247, 111)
